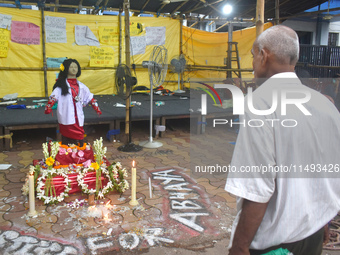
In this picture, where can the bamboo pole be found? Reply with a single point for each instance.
(230, 40)
(127, 60)
(120, 37)
(181, 47)
(80, 6)
(259, 17)
(277, 12)
(225, 24)
(56, 5)
(44, 49)
(76, 7)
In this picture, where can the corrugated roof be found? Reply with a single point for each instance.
(241, 8)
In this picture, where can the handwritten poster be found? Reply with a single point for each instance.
(5, 21)
(138, 45)
(4, 38)
(100, 57)
(84, 36)
(55, 29)
(25, 33)
(109, 35)
(54, 62)
(155, 35)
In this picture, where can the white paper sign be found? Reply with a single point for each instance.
(84, 36)
(155, 35)
(5, 21)
(5, 166)
(138, 45)
(55, 29)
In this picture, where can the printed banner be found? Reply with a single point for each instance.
(84, 36)
(55, 29)
(4, 38)
(109, 35)
(25, 33)
(101, 57)
(155, 35)
(138, 45)
(5, 21)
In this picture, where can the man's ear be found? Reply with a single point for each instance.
(264, 57)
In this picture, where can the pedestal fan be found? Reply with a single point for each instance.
(124, 82)
(158, 67)
(177, 66)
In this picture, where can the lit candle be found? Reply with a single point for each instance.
(32, 210)
(133, 201)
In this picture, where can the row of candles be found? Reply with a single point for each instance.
(133, 201)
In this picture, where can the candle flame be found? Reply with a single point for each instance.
(106, 218)
(133, 163)
(108, 203)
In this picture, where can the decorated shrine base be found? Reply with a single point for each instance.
(180, 214)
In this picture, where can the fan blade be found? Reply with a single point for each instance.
(183, 61)
(120, 72)
(174, 62)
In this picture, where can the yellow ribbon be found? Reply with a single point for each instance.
(9, 136)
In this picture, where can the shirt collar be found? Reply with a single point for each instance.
(285, 75)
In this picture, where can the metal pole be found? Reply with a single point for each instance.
(44, 49)
(181, 48)
(151, 107)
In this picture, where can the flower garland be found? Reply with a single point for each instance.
(100, 151)
(118, 175)
(47, 192)
(48, 168)
(85, 187)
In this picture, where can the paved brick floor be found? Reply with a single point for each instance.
(189, 211)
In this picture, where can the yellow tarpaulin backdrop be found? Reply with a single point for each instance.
(30, 83)
(210, 49)
(200, 48)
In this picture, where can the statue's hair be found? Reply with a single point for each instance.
(61, 81)
(281, 41)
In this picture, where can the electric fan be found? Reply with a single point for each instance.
(177, 66)
(124, 82)
(158, 67)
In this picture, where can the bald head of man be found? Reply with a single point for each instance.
(276, 50)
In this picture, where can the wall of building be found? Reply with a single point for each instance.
(334, 27)
(310, 26)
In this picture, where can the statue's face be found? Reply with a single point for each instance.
(73, 69)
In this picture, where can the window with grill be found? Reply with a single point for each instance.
(333, 39)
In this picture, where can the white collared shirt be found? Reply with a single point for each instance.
(298, 207)
(65, 110)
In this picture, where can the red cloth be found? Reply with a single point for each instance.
(89, 179)
(73, 131)
(74, 158)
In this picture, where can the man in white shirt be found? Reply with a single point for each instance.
(286, 156)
